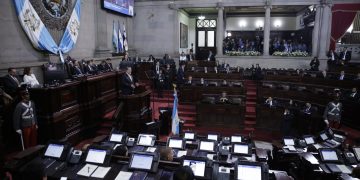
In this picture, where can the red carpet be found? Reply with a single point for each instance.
(250, 104)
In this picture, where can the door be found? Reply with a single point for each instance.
(205, 38)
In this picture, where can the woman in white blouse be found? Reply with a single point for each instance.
(30, 78)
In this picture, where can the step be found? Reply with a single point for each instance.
(249, 129)
(187, 113)
(250, 110)
(187, 125)
(250, 103)
(156, 99)
(249, 122)
(251, 88)
(250, 116)
(103, 131)
(250, 93)
(186, 107)
(109, 115)
(186, 119)
(106, 124)
(250, 98)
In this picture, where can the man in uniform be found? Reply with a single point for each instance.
(332, 113)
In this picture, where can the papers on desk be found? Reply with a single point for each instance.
(90, 170)
(151, 149)
(181, 153)
(290, 148)
(189, 142)
(210, 156)
(344, 169)
(317, 146)
(123, 175)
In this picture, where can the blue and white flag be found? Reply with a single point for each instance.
(126, 47)
(115, 38)
(39, 35)
(175, 117)
(34, 28)
(72, 30)
(120, 39)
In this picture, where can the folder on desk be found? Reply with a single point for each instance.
(123, 175)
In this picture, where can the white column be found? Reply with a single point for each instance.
(324, 30)
(220, 29)
(267, 30)
(315, 34)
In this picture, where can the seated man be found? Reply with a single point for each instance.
(354, 95)
(342, 76)
(121, 150)
(202, 82)
(129, 83)
(189, 81)
(270, 102)
(224, 83)
(223, 98)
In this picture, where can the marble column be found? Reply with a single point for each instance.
(102, 49)
(220, 30)
(315, 34)
(325, 30)
(267, 30)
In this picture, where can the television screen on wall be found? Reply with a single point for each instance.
(121, 6)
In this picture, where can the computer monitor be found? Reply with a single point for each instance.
(146, 140)
(118, 138)
(309, 139)
(289, 141)
(189, 136)
(323, 136)
(96, 156)
(249, 171)
(207, 145)
(328, 155)
(176, 143)
(236, 139)
(197, 166)
(241, 149)
(140, 161)
(54, 150)
(357, 153)
(214, 137)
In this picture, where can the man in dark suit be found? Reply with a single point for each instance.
(211, 56)
(190, 56)
(342, 75)
(128, 82)
(169, 76)
(345, 55)
(126, 57)
(354, 95)
(160, 80)
(307, 114)
(181, 74)
(11, 82)
(189, 81)
(109, 64)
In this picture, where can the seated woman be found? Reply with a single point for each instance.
(30, 78)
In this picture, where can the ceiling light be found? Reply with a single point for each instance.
(201, 17)
(259, 23)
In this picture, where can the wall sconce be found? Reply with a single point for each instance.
(277, 23)
(229, 34)
(201, 17)
(242, 23)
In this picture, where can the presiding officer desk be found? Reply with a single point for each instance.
(210, 157)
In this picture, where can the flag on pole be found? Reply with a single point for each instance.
(175, 117)
(115, 39)
(120, 39)
(125, 40)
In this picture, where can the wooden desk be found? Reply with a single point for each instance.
(220, 115)
(74, 108)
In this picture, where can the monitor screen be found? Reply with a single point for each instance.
(207, 145)
(116, 137)
(198, 167)
(176, 143)
(189, 135)
(122, 6)
(323, 136)
(289, 142)
(96, 156)
(309, 140)
(54, 150)
(248, 172)
(146, 140)
(329, 155)
(141, 161)
(241, 148)
(357, 152)
(212, 137)
(235, 139)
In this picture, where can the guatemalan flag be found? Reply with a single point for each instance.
(34, 27)
(40, 36)
(175, 117)
(115, 38)
(120, 39)
(125, 40)
(72, 30)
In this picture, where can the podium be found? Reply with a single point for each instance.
(136, 112)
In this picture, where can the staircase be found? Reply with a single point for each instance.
(186, 112)
(250, 105)
(106, 124)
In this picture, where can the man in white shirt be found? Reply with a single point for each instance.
(182, 57)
